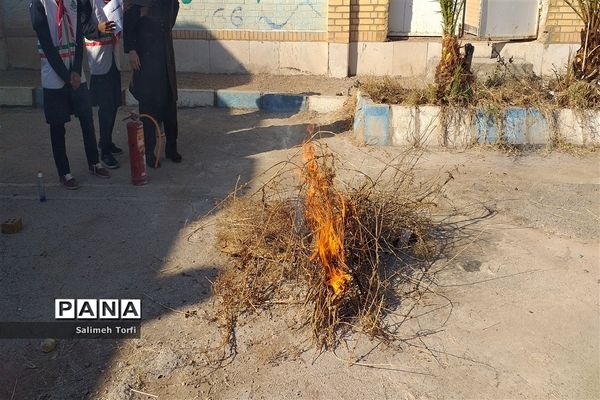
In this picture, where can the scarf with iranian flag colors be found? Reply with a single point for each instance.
(62, 23)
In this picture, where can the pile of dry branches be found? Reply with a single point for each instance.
(347, 254)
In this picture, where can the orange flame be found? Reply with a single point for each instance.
(325, 211)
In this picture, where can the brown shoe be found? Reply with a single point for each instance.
(68, 182)
(99, 171)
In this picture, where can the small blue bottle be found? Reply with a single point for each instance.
(41, 188)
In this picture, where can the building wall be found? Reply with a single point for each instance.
(254, 15)
(358, 20)
(338, 21)
(369, 20)
(335, 21)
(562, 23)
(324, 37)
(15, 15)
(472, 15)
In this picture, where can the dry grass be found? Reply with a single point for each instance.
(345, 116)
(390, 90)
(272, 239)
(507, 89)
(501, 89)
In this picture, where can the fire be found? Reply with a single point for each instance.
(325, 211)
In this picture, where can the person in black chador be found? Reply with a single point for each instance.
(147, 26)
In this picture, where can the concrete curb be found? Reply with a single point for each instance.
(252, 100)
(427, 126)
(16, 96)
(191, 98)
(237, 99)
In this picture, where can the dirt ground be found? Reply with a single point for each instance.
(517, 315)
(297, 84)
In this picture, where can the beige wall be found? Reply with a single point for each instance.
(348, 22)
(562, 23)
(15, 15)
(472, 14)
(358, 20)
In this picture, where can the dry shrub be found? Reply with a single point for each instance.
(396, 91)
(345, 116)
(286, 247)
(264, 242)
(568, 92)
(586, 63)
(505, 88)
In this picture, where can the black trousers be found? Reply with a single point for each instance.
(106, 94)
(59, 104)
(166, 115)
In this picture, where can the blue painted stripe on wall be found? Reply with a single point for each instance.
(284, 103)
(238, 99)
(377, 124)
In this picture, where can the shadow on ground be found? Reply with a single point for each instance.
(110, 239)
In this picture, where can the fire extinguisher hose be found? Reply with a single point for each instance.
(159, 134)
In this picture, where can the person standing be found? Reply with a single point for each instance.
(147, 39)
(57, 25)
(105, 81)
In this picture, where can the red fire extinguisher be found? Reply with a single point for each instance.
(137, 152)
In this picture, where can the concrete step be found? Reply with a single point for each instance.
(190, 98)
(260, 91)
(483, 67)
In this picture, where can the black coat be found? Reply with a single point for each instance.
(147, 30)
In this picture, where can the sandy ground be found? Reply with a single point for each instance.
(520, 317)
(297, 84)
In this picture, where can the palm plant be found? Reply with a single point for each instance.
(451, 13)
(452, 76)
(586, 63)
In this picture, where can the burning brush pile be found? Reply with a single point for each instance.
(348, 255)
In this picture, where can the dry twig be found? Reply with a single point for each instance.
(277, 240)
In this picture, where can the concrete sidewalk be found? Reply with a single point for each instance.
(285, 93)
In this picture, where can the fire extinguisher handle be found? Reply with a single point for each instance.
(132, 116)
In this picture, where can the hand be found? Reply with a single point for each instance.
(106, 27)
(134, 60)
(75, 80)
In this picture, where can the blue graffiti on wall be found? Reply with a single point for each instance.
(281, 25)
(244, 16)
